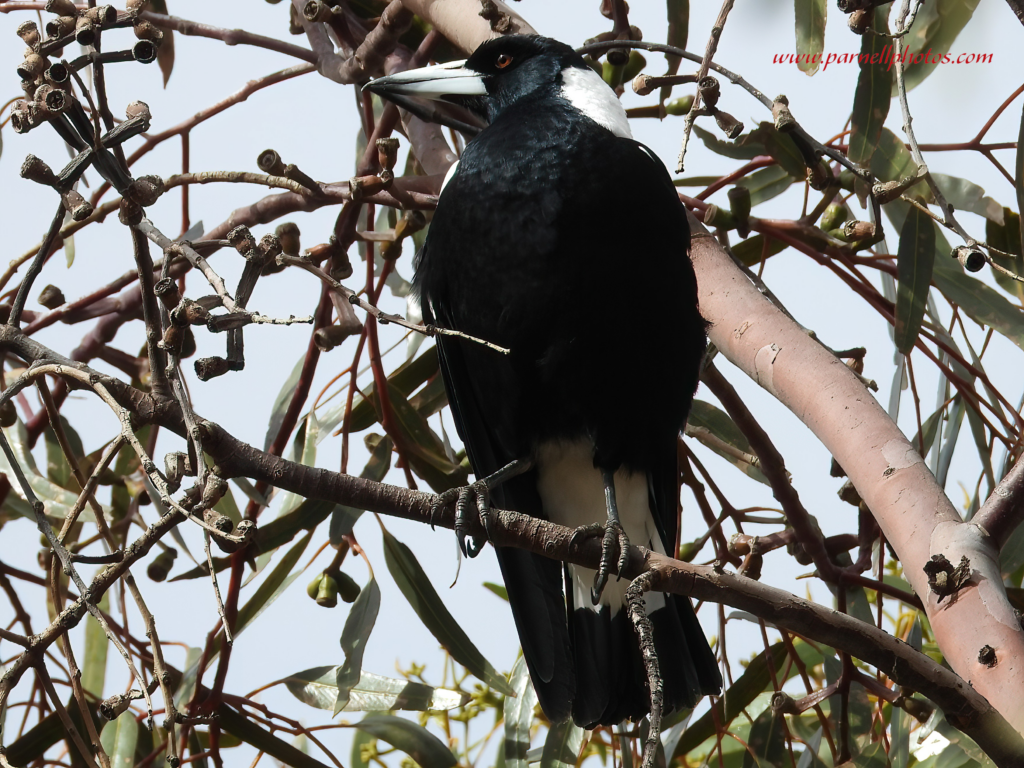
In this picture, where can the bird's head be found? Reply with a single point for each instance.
(505, 69)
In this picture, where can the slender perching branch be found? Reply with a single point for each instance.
(709, 54)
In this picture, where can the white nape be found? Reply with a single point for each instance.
(448, 176)
(572, 493)
(585, 90)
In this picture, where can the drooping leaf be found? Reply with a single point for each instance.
(354, 637)
(779, 147)
(914, 266)
(713, 426)
(740, 695)
(810, 33)
(562, 745)
(935, 30)
(678, 29)
(417, 589)
(751, 250)
(766, 183)
(518, 714)
(187, 686)
(413, 739)
(408, 377)
(892, 160)
(1006, 237)
(965, 195)
(859, 708)
(284, 398)
(119, 738)
(305, 447)
(736, 150)
(872, 756)
(359, 739)
(318, 688)
(344, 517)
(424, 449)
(165, 53)
(94, 660)
(873, 94)
(767, 742)
(498, 589)
(250, 733)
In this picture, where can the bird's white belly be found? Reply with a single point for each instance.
(572, 493)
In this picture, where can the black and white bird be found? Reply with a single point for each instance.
(562, 239)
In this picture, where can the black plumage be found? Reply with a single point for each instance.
(566, 243)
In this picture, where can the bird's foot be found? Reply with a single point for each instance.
(612, 536)
(477, 495)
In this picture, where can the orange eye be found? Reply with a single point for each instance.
(502, 61)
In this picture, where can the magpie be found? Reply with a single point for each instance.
(560, 238)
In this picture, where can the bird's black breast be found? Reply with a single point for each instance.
(567, 245)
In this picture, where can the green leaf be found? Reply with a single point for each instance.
(935, 30)
(358, 740)
(705, 419)
(751, 250)
(873, 94)
(306, 456)
(354, 637)
(892, 161)
(766, 183)
(284, 399)
(94, 660)
(497, 589)
(859, 708)
(271, 588)
(406, 379)
(119, 738)
(779, 147)
(742, 693)
(678, 28)
(1006, 237)
(965, 195)
(518, 714)
(344, 517)
(187, 686)
(741, 149)
(416, 586)
(413, 739)
(767, 742)
(562, 745)
(810, 33)
(872, 756)
(306, 517)
(914, 266)
(424, 449)
(318, 688)
(245, 729)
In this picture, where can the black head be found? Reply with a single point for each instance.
(500, 72)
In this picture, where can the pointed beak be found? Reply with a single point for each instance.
(436, 83)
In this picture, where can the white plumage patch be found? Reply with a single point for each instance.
(585, 90)
(572, 493)
(448, 176)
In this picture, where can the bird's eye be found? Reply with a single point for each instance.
(502, 61)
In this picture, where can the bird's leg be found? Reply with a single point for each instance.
(645, 634)
(480, 493)
(612, 534)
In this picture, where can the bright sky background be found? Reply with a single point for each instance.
(312, 123)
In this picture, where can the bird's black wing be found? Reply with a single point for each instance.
(481, 389)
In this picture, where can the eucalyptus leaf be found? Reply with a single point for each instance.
(873, 94)
(562, 745)
(413, 739)
(355, 635)
(914, 265)
(810, 33)
(935, 29)
(118, 739)
(518, 715)
(417, 589)
(318, 688)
